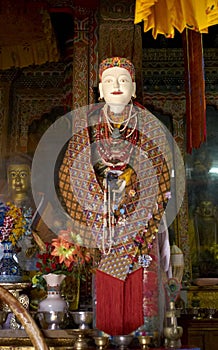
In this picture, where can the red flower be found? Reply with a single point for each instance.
(63, 256)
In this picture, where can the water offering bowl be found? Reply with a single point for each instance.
(101, 342)
(123, 341)
(82, 318)
(50, 319)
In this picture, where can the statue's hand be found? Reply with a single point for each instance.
(126, 175)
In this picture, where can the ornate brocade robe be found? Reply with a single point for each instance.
(80, 183)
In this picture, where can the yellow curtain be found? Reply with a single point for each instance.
(26, 34)
(164, 16)
(191, 18)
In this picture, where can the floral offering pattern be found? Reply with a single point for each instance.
(12, 223)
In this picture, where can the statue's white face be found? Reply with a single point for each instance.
(117, 86)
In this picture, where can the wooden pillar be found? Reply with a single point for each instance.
(118, 36)
(83, 54)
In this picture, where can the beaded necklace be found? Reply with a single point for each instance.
(116, 136)
(111, 122)
(115, 145)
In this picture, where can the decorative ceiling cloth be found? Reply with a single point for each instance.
(191, 18)
(26, 34)
(164, 16)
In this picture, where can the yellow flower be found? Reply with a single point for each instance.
(14, 216)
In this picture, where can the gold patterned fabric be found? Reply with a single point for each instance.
(82, 195)
(26, 34)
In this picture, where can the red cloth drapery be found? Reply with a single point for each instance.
(119, 302)
(195, 89)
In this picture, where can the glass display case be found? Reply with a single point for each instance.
(202, 182)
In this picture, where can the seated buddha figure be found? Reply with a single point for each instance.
(19, 192)
(205, 243)
(18, 179)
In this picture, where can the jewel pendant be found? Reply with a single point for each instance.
(116, 133)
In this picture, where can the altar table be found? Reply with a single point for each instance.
(56, 340)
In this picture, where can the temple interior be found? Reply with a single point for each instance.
(50, 51)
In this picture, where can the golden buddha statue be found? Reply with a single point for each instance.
(18, 176)
(18, 169)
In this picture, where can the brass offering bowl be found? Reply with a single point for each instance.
(144, 341)
(101, 342)
(82, 337)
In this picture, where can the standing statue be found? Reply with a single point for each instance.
(118, 180)
(116, 192)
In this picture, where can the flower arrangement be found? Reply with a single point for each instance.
(12, 223)
(63, 255)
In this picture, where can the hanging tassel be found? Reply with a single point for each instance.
(195, 89)
(119, 303)
(133, 307)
